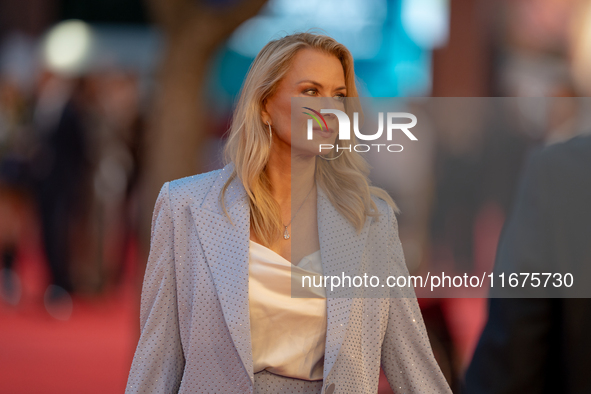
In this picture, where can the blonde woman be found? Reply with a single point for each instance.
(217, 313)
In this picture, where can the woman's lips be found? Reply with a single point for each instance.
(323, 133)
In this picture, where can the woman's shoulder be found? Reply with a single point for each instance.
(380, 203)
(195, 180)
(384, 208)
(193, 188)
(387, 212)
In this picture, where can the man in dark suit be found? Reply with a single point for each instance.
(543, 345)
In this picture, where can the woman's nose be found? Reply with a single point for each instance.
(329, 102)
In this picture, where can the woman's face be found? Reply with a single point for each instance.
(312, 74)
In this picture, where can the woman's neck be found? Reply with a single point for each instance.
(286, 174)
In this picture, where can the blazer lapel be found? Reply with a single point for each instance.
(226, 252)
(226, 249)
(341, 251)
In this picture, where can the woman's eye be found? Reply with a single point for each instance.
(314, 92)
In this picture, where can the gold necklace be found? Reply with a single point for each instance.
(286, 233)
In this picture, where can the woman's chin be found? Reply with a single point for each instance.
(307, 151)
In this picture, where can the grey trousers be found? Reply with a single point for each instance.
(266, 382)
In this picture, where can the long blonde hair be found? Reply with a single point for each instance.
(344, 180)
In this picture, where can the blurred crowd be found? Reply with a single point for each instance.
(69, 161)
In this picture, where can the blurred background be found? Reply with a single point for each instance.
(102, 101)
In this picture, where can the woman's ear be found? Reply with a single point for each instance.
(264, 114)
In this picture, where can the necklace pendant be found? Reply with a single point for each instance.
(286, 234)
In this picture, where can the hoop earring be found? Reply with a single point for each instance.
(332, 158)
(270, 133)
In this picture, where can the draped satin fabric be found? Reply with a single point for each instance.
(288, 334)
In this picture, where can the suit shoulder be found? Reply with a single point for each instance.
(565, 158)
(578, 147)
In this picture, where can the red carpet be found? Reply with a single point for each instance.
(89, 353)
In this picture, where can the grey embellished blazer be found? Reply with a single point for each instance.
(194, 319)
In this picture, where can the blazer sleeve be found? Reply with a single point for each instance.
(407, 357)
(159, 362)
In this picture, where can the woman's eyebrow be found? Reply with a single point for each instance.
(319, 84)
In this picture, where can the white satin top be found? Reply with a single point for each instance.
(288, 334)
